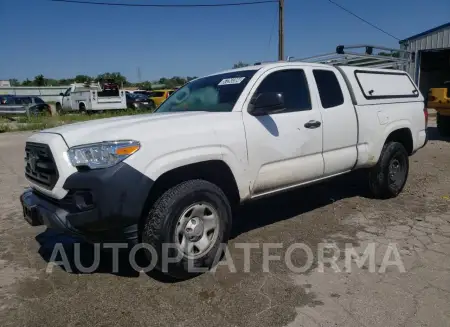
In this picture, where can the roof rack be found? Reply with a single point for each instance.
(372, 57)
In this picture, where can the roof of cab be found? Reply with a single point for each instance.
(269, 65)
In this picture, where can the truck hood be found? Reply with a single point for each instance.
(126, 127)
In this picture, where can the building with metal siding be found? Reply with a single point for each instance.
(426, 47)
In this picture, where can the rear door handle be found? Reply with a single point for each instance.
(313, 124)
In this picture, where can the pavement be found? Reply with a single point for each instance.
(414, 227)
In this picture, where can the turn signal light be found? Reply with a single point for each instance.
(127, 150)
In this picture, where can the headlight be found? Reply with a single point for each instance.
(102, 155)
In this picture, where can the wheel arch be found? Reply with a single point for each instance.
(215, 171)
(404, 137)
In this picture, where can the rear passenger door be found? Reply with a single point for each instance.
(340, 127)
(284, 148)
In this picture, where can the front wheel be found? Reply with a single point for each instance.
(388, 177)
(189, 223)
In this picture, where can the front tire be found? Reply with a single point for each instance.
(194, 217)
(388, 178)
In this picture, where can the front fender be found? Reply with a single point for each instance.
(169, 161)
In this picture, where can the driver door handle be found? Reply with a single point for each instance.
(313, 124)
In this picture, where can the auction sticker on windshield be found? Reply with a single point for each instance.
(229, 81)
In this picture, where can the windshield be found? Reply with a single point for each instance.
(217, 93)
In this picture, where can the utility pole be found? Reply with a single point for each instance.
(280, 29)
(139, 76)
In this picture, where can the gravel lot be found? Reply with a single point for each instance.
(418, 222)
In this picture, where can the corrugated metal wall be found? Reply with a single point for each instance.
(436, 40)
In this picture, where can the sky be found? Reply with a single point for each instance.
(61, 40)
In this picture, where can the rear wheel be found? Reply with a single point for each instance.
(192, 220)
(388, 177)
(443, 124)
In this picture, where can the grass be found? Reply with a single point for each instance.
(34, 123)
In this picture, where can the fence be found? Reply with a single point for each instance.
(46, 93)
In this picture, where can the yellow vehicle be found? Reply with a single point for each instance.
(159, 96)
(439, 99)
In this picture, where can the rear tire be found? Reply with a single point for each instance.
(171, 220)
(443, 124)
(388, 178)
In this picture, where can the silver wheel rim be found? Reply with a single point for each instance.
(197, 230)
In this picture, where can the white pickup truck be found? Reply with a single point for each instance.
(89, 98)
(173, 177)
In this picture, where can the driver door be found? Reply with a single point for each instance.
(284, 148)
(66, 103)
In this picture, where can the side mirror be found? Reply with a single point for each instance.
(61, 94)
(266, 103)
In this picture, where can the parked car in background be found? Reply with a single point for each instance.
(159, 96)
(143, 92)
(20, 105)
(139, 101)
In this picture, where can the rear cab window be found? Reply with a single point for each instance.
(330, 91)
(386, 85)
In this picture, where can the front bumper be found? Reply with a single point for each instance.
(104, 205)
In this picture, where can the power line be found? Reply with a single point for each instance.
(165, 5)
(362, 19)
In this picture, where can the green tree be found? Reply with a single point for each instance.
(82, 79)
(240, 64)
(144, 85)
(27, 82)
(14, 82)
(39, 80)
(51, 82)
(115, 77)
(66, 81)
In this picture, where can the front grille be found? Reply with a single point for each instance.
(40, 166)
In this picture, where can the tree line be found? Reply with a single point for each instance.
(172, 82)
(41, 80)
